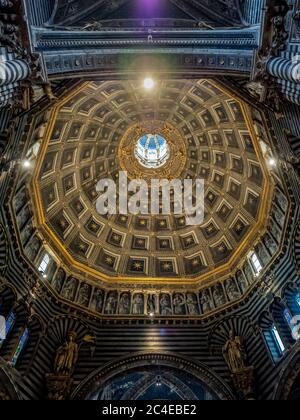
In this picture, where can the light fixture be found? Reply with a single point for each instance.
(158, 381)
(44, 276)
(149, 83)
(272, 162)
(151, 314)
(26, 164)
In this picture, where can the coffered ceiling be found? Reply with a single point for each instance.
(84, 144)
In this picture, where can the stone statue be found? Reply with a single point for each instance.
(69, 289)
(192, 304)
(218, 295)
(179, 304)
(278, 216)
(97, 300)
(20, 200)
(84, 294)
(152, 304)
(248, 273)
(124, 304)
(276, 232)
(32, 248)
(232, 290)
(60, 381)
(242, 281)
(270, 245)
(58, 280)
(234, 353)
(66, 356)
(282, 201)
(111, 303)
(138, 304)
(262, 254)
(26, 232)
(165, 305)
(23, 216)
(206, 302)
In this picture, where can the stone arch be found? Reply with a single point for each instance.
(288, 387)
(8, 389)
(198, 370)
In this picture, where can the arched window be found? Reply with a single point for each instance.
(9, 324)
(255, 263)
(20, 347)
(298, 299)
(274, 343)
(278, 340)
(44, 265)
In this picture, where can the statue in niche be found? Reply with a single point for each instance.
(152, 304)
(271, 245)
(165, 305)
(32, 248)
(111, 303)
(234, 353)
(60, 381)
(138, 304)
(276, 232)
(248, 273)
(20, 200)
(66, 356)
(69, 289)
(58, 280)
(262, 254)
(23, 217)
(192, 304)
(282, 201)
(278, 215)
(280, 34)
(242, 281)
(26, 233)
(84, 295)
(232, 290)
(219, 296)
(206, 302)
(124, 304)
(179, 304)
(97, 300)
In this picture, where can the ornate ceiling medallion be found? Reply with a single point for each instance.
(169, 151)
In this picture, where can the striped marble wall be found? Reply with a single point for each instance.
(252, 10)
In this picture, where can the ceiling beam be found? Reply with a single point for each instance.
(70, 12)
(222, 12)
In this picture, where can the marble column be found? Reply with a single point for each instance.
(12, 71)
(285, 69)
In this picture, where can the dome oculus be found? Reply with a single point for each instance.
(152, 151)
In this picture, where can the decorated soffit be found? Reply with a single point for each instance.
(85, 142)
(213, 12)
